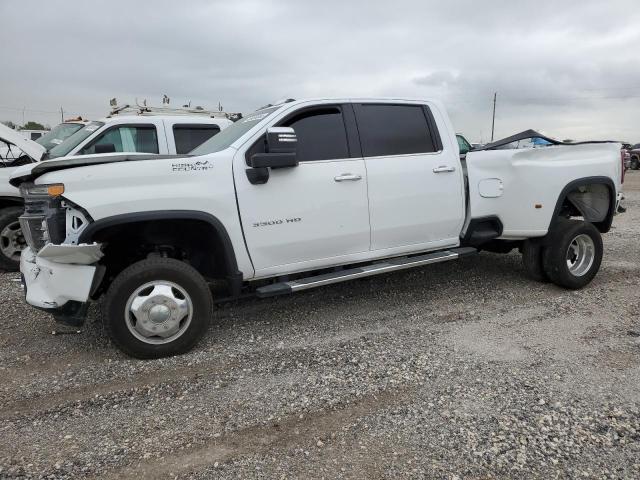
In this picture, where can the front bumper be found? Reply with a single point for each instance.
(50, 285)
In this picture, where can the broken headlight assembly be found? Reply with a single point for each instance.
(43, 220)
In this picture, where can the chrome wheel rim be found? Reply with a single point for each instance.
(158, 312)
(12, 241)
(580, 255)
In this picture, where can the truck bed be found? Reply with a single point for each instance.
(522, 187)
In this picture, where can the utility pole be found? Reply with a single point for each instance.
(61, 115)
(493, 121)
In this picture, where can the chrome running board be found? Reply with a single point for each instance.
(390, 265)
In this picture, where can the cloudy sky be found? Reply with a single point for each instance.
(571, 72)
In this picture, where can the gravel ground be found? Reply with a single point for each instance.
(458, 370)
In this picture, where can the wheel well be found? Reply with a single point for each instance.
(196, 241)
(593, 199)
(11, 202)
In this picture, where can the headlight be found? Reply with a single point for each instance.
(53, 190)
(43, 220)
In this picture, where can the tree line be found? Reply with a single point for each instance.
(30, 125)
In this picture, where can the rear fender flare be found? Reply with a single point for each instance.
(603, 226)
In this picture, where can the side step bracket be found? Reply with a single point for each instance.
(390, 265)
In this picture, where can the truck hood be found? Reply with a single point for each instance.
(28, 173)
(12, 138)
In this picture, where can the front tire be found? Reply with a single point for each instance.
(11, 239)
(574, 254)
(157, 307)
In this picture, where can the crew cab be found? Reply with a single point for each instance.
(158, 134)
(295, 196)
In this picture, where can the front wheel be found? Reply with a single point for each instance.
(574, 254)
(12, 240)
(157, 307)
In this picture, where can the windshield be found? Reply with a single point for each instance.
(226, 137)
(58, 134)
(74, 140)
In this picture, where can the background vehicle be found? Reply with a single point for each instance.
(157, 134)
(160, 134)
(626, 155)
(33, 134)
(463, 144)
(296, 196)
(634, 156)
(61, 132)
(48, 140)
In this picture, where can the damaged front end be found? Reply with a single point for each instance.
(58, 275)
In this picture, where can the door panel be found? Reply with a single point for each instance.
(412, 205)
(415, 182)
(317, 210)
(303, 214)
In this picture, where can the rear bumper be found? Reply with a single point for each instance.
(50, 285)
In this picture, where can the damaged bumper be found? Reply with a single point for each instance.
(59, 279)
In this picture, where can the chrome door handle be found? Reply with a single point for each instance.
(444, 168)
(345, 177)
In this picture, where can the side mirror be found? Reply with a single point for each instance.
(281, 149)
(281, 140)
(105, 148)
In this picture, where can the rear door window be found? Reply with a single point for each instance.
(388, 129)
(127, 138)
(188, 137)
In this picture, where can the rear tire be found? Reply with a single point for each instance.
(11, 238)
(574, 254)
(157, 307)
(532, 253)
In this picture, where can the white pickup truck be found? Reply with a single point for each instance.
(160, 134)
(295, 196)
